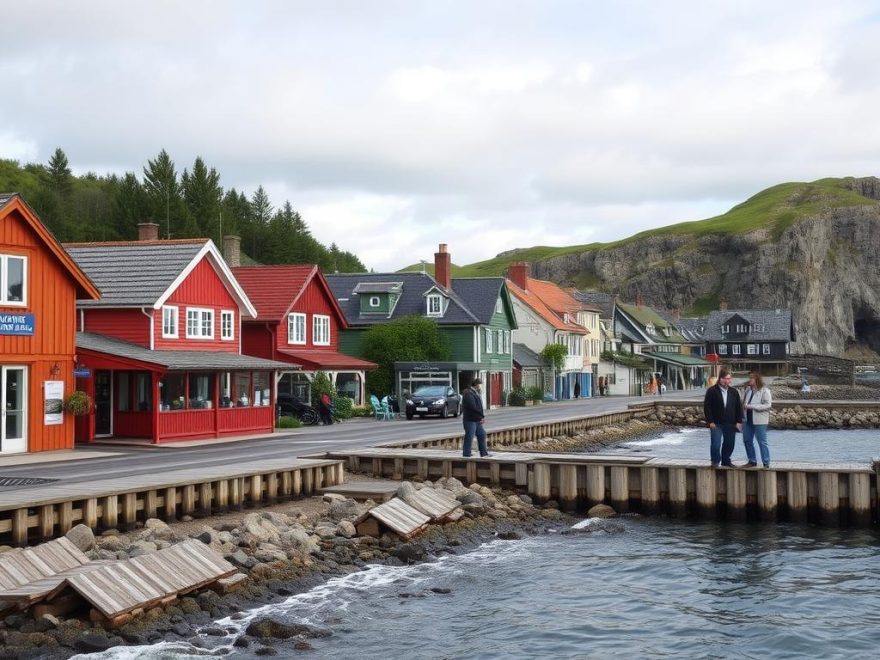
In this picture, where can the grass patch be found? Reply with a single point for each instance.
(702, 306)
(287, 423)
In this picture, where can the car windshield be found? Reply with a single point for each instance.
(433, 390)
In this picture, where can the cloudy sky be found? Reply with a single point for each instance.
(394, 126)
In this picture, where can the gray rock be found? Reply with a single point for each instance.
(601, 511)
(113, 543)
(344, 509)
(346, 529)
(90, 642)
(298, 540)
(333, 497)
(157, 529)
(325, 531)
(269, 628)
(82, 537)
(260, 528)
(408, 553)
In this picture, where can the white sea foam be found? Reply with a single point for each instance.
(588, 522)
(672, 438)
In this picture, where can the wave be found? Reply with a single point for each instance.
(671, 439)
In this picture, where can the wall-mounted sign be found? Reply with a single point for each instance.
(82, 372)
(53, 407)
(17, 324)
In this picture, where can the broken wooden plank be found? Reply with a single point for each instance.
(400, 517)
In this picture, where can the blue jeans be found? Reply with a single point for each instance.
(722, 440)
(471, 429)
(759, 433)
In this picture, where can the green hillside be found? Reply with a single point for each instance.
(775, 209)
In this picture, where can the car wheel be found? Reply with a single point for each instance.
(444, 413)
(457, 410)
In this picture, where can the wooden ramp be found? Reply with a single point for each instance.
(381, 491)
(20, 567)
(396, 515)
(436, 505)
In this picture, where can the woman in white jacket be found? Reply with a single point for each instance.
(757, 402)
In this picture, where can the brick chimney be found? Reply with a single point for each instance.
(722, 306)
(639, 301)
(518, 273)
(148, 231)
(443, 267)
(232, 250)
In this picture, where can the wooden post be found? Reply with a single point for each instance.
(768, 495)
(678, 492)
(236, 494)
(398, 469)
(495, 473)
(422, 468)
(595, 484)
(90, 513)
(707, 500)
(319, 478)
(650, 489)
(20, 527)
(110, 519)
(568, 493)
(521, 474)
(255, 497)
(205, 499)
(151, 502)
(736, 494)
(65, 517)
(308, 481)
(287, 484)
(377, 467)
(829, 498)
(796, 494)
(340, 474)
(222, 488)
(188, 500)
(447, 469)
(170, 504)
(471, 472)
(47, 521)
(272, 488)
(129, 510)
(620, 488)
(297, 483)
(542, 482)
(860, 499)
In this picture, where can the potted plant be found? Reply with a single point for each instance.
(78, 403)
(535, 394)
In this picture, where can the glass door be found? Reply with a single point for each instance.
(103, 404)
(13, 410)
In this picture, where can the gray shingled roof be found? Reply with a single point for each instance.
(693, 330)
(133, 274)
(377, 287)
(604, 302)
(411, 301)
(526, 357)
(777, 324)
(5, 198)
(175, 360)
(479, 294)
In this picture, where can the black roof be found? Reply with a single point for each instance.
(479, 294)
(526, 357)
(777, 324)
(604, 302)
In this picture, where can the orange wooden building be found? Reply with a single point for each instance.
(39, 287)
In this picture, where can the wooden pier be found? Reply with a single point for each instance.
(826, 494)
(43, 512)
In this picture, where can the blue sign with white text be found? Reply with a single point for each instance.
(17, 324)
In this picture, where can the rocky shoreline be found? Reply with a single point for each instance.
(788, 417)
(592, 440)
(284, 550)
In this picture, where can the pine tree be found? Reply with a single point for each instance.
(163, 192)
(202, 194)
(58, 173)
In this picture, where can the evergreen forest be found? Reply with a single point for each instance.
(188, 204)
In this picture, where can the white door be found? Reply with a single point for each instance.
(13, 404)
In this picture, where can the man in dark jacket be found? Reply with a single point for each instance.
(472, 418)
(723, 410)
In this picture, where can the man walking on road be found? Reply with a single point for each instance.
(472, 418)
(723, 410)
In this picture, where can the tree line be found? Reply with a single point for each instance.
(191, 204)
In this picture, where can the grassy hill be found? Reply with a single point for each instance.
(773, 209)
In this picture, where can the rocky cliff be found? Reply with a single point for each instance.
(823, 264)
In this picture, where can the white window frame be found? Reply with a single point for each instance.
(320, 325)
(742, 327)
(722, 349)
(4, 280)
(758, 327)
(170, 330)
(488, 334)
(725, 329)
(499, 341)
(499, 306)
(374, 301)
(296, 321)
(752, 349)
(765, 349)
(227, 315)
(736, 349)
(649, 329)
(202, 314)
(430, 300)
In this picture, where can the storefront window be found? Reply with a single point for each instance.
(295, 384)
(201, 391)
(173, 392)
(143, 396)
(123, 393)
(348, 384)
(242, 389)
(262, 391)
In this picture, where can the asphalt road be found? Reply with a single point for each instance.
(352, 434)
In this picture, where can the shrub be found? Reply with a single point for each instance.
(320, 384)
(362, 411)
(287, 423)
(554, 355)
(517, 397)
(535, 393)
(344, 406)
(78, 403)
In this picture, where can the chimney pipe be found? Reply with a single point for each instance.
(232, 250)
(148, 231)
(639, 301)
(518, 273)
(443, 267)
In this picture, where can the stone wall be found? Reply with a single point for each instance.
(787, 416)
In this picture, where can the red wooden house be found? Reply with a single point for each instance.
(298, 321)
(39, 286)
(162, 348)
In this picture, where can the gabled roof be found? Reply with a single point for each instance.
(604, 302)
(146, 273)
(411, 301)
(777, 324)
(642, 315)
(274, 290)
(526, 357)
(480, 295)
(13, 202)
(549, 302)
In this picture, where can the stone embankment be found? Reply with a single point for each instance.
(284, 550)
(787, 416)
(591, 439)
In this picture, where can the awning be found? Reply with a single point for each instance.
(678, 359)
(330, 360)
(174, 360)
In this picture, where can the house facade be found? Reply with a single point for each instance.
(547, 314)
(473, 313)
(299, 322)
(39, 287)
(751, 339)
(160, 353)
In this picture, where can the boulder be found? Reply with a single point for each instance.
(82, 537)
(90, 642)
(258, 527)
(347, 529)
(601, 511)
(299, 540)
(269, 628)
(157, 529)
(344, 509)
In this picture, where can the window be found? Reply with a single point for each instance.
(199, 323)
(374, 301)
(499, 306)
(201, 391)
(172, 390)
(725, 329)
(143, 394)
(722, 349)
(736, 349)
(262, 393)
(766, 349)
(296, 328)
(649, 328)
(169, 322)
(752, 349)
(499, 340)
(321, 330)
(242, 390)
(488, 340)
(435, 305)
(123, 399)
(227, 331)
(758, 327)
(740, 327)
(13, 280)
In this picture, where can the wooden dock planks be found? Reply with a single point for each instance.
(399, 517)
(433, 503)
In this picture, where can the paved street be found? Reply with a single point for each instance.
(351, 434)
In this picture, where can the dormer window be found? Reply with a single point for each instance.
(725, 329)
(435, 304)
(741, 327)
(565, 317)
(650, 329)
(374, 301)
(758, 327)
